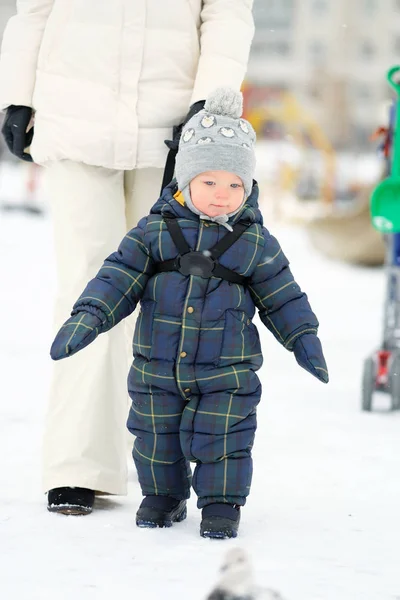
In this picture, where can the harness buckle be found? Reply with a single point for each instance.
(196, 263)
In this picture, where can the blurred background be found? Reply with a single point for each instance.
(325, 502)
(315, 92)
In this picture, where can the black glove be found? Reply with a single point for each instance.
(308, 352)
(177, 129)
(14, 131)
(76, 333)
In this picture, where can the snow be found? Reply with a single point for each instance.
(322, 521)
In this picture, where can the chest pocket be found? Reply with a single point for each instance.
(241, 342)
(142, 338)
(157, 336)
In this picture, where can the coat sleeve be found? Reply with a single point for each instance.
(118, 286)
(284, 308)
(20, 50)
(226, 33)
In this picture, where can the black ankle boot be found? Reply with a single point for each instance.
(160, 511)
(70, 500)
(220, 521)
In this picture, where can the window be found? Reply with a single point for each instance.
(370, 6)
(271, 47)
(362, 91)
(367, 50)
(282, 48)
(274, 14)
(317, 51)
(319, 6)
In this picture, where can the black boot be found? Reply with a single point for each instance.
(160, 511)
(70, 500)
(220, 521)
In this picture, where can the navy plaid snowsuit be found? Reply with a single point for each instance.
(193, 384)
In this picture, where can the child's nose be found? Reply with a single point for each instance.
(221, 193)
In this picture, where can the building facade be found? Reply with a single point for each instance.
(332, 55)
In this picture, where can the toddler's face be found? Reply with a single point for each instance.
(216, 193)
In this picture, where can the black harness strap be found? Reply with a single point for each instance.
(177, 236)
(202, 264)
(169, 168)
(228, 240)
(228, 275)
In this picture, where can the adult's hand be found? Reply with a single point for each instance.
(173, 144)
(15, 131)
(177, 129)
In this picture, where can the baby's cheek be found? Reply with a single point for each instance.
(237, 201)
(199, 202)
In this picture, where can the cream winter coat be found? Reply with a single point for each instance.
(109, 78)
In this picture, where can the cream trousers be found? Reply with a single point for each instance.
(85, 438)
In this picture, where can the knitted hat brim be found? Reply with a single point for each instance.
(219, 157)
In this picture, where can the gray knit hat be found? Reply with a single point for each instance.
(217, 139)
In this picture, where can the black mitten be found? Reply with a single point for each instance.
(14, 131)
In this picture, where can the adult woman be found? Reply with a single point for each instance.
(106, 83)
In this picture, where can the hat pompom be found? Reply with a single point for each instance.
(225, 101)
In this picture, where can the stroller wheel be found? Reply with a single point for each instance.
(394, 382)
(368, 384)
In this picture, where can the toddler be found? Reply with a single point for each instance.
(199, 264)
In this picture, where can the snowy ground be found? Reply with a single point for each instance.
(322, 522)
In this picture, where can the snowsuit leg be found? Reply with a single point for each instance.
(217, 432)
(154, 419)
(85, 437)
